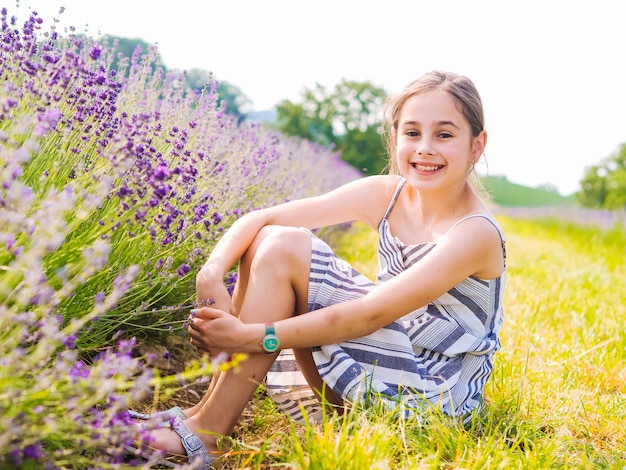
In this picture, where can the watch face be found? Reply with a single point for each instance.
(270, 343)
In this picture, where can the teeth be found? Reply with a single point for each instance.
(427, 167)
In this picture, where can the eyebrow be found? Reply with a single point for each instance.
(438, 123)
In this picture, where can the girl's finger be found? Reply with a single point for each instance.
(206, 313)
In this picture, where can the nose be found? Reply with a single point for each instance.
(424, 148)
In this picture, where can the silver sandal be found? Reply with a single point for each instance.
(166, 415)
(194, 448)
(196, 452)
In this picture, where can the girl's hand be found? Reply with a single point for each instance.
(211, 292)
(213, 331)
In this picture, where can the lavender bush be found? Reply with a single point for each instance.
(116, 185)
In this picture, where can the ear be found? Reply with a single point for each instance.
(478, 145)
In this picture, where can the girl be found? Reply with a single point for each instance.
(423, 336)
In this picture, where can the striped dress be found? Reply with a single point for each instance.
(440, 355)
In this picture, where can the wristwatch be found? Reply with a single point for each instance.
(270, 342)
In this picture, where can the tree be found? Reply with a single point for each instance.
(229, 95)
(233, 98)
(195, 79)
(346, 118)
(604, 185)
(126, 47)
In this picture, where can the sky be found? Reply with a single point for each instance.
(550, 72)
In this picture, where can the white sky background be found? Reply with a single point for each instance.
(550, 72)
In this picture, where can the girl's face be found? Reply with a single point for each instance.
(434, 143)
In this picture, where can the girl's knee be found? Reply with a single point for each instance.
(279, 246)
(284, 243)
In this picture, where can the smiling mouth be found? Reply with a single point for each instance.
(420, 167)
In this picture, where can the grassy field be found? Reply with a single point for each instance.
(557, 398)
(509, 194)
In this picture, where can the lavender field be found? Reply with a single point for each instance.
(115, 186)
(602, 218)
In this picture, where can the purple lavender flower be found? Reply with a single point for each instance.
(33, 451)
(10, 241)
(70, 341)
(79, 371)
(15, 457)
(199, 212)
(161, 172)
(183, 269)
(95, 51)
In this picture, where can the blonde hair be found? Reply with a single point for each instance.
(464, 92)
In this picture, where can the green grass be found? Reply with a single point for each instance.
(507, 194)
(557, 398)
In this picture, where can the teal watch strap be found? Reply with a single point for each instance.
(270, 341)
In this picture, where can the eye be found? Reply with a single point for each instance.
(445, 135)
(412, 133)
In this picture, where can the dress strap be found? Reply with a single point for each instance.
(394, 198)
(484, 216)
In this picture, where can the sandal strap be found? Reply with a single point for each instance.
(193, 445)
(174, 412)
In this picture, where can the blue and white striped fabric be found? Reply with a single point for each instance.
(438, 356)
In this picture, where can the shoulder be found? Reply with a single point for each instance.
(369, 196)
(480, 237)
(382, 184)
(372, 187)
(483, 222)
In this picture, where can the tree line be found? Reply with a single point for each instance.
(347, 119)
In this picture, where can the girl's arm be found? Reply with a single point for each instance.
(472, 248)
(362, 199)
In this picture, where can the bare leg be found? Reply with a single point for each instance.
(274, 276)
(195, 408)
(238, 296)
(308, 368)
